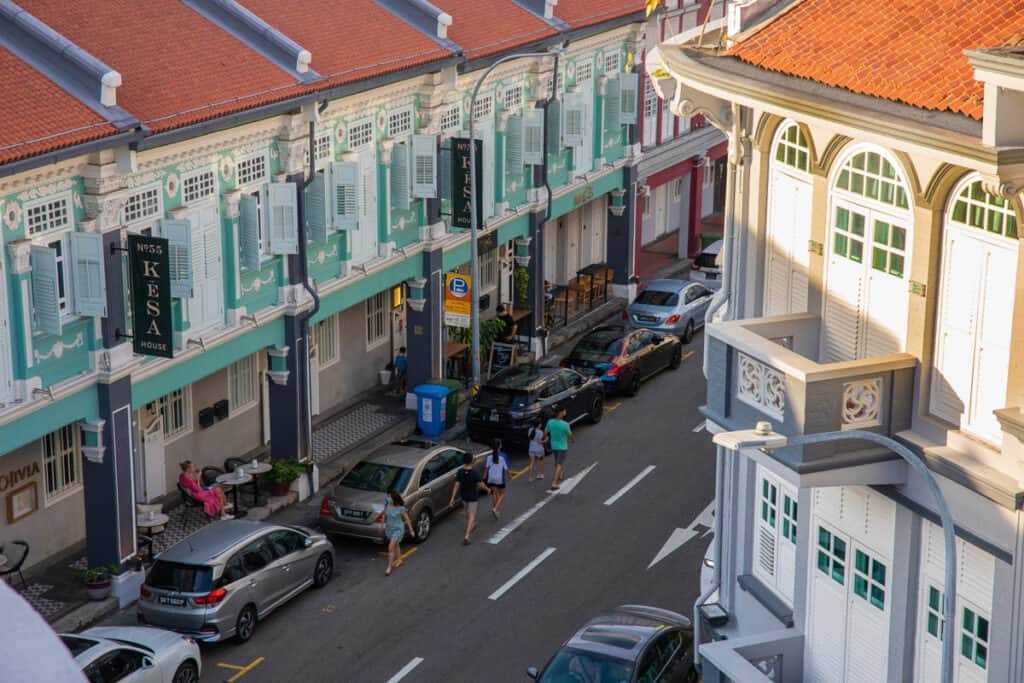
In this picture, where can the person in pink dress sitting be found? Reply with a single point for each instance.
(212, 498)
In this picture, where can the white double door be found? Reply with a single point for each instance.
(789, 231)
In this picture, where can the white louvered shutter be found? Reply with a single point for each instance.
(993, 341)
(447, 159)
(400, 177)
(572, 119)
(628, 86)
(554, 141)
(249, 232)
(514, 146)
(45, 299)
(179, 247)
(345, 195)
(89, 281)
(284, 218)
(314, 197)
(424, 163)
(958, 316)
(533, 136)
(843, 316)
(767, 514)
(612, 107)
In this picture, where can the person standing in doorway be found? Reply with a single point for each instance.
(559, 432)
(497, 476)
(510, 328)
(537, 448)
(468, 486)
(401, 368)
(396, 521)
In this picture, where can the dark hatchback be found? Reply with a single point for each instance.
(506, 407)
(621, 358)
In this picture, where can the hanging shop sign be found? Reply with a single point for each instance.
(457, 301)
(149, 260)
(461, 206)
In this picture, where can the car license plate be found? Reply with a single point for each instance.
(647, 318)
(174, 602)
(347, 512)
(494, 416)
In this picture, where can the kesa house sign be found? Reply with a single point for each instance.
(151, 296)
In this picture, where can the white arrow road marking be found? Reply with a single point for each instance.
(680, 537)
(630, 484)
(404, 671)
(519, 576)
(700, 426)
(567, 485)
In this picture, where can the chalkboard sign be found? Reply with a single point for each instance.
(502, 356)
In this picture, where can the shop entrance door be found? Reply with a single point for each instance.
(154, 462)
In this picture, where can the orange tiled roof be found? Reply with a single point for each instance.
(902, 50)
(38, 116)
(349, 41)
(177, 67)
(484, 28)
(579, 13)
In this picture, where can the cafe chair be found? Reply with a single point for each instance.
(192, 503)
(209, 475)
(16, 552)
(232, 463)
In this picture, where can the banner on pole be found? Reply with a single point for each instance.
(461, 211)
(149, 262)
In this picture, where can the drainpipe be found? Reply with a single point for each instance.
(728, 227)
(547, 186)
(716, 556)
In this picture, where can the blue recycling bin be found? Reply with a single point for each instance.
(431, 408)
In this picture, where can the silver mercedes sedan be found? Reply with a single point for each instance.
(670, 307)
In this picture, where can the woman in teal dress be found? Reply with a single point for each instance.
(396, 521)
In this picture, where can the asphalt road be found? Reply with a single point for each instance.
(454, 613)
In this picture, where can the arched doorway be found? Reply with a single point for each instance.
(789, 222)
(868, 265)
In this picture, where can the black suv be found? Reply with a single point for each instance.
(507, 406)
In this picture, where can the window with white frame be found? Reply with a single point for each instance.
(325, 336)
(400, 122)
(584, 71)
(650, 100)
(611, 63)
(775, 531)
(377, 319)
(360, 134)
(243, 383)
(62, 462)
(974, 637)
(142, 205)
(483, 107)
(252, 169)
(198, 186)
(322, 146)
(49, 215)
(489, 270)
(59, 246)
(451, 119)
(176, 412)
(792, 148)
(677, 188)
(513, 97)
(645, 204)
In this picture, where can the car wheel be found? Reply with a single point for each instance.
(596, 410)
(246, 624)
(424, 521)
(633, 388)
(688, 332)
(677, 358)
(186, 673)
(324, 570)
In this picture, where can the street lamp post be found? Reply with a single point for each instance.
(474, 261)
(763, 437)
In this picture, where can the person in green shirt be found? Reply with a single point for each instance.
(560, 434)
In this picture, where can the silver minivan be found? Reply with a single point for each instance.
(220, 581)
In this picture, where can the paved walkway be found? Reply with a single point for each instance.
(354, 426)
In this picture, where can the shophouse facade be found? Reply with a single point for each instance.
(872, 220)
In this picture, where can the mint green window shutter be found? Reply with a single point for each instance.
(400, 177)
(533, 136)
(514, 145)
(554, 127)
(284, 218)
(424, 166)
(249, 232)
(612, 107)
(345, 194)
(572, 128)
(88, 279)
(179, 248)
(316, 212)
(44, 290)
(628, 86)
(446, 170)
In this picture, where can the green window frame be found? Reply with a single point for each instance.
(976, 208)
(869, 578)
(871, 175)
(769, 502)
(848, 236)
(792, 149)
(935, 608)
(831, 555)
(789, 517)
(974, 637)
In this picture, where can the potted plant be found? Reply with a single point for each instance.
(97, 581)
(522, 286)
(282, 474)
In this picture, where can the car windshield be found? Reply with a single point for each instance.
(579, 666)
(76, 644)
(657, 297)
(375, 476)
(493, 397)
(184, 578)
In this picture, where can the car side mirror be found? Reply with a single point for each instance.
(147, 663)
(532, 672)
(307, 542)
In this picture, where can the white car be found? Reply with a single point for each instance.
(707, 267)
(134, 654)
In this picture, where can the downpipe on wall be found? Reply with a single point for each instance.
(716, 556)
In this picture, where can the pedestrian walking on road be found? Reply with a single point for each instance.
(396, 521)
(468, 486)
(560, 434)
(538, 439)
(497, 476)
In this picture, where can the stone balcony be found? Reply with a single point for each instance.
(768, 369)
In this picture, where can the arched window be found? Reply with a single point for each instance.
(976, 208)
(871, 175)
(791, 147)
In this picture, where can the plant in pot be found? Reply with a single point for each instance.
(97, 581)
(522, 286)
(282, 474)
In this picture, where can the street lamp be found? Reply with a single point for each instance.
(474, 262)
(763, 437)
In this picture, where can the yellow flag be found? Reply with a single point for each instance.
(629, 62)
(651, 6)
(660, 72)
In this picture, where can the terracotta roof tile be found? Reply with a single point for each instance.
(579, 13)
(485, 28)
(349, 41)
(902, 50)
(177, 67)
(38, 116)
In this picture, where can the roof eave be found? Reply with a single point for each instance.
(54, 156)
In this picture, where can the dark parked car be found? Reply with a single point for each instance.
(622, 358)
(506, 406)
(631, 643)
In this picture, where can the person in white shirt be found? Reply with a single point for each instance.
(496, 476)
(538, 439)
